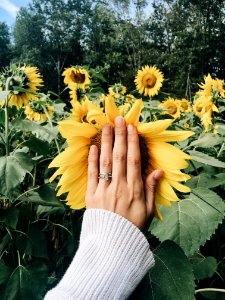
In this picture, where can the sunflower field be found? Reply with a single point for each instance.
(44, 144)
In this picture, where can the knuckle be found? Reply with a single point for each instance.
(120, 131)
(106, 162)
(133, 161)
(119, 157)
(151, 187)
(92, 174)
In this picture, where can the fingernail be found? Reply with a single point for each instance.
(107, 129)
(158, 174)
(130, 129)
(119, 121)
(93, 149)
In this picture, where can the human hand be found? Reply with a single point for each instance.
(125, 194)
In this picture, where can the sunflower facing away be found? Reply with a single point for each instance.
(85, 130)
(34, 111)
(117, 90)
(27, 78)
(76, 78)
(149, 81)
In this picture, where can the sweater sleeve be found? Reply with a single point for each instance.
(112, 258)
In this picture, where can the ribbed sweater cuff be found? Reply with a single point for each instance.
(112, 258)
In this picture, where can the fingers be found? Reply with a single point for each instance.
(92, 170)
(150, 189)
(119, 150)
(106, 153)
(133, 157)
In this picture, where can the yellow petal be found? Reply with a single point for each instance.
(152, 128)
(132, 117)
(111, 110)
(70, 128)
(180, 187)
(70, 155)
(162, 201)
(167, 157)
(58, 172)
(172, 136)
(165, 190)
(72, 173)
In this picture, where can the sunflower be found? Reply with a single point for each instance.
(203, 108)
(124, 108)
(212, 87)
(149, 81)
(172, 106)
(130, 99)
(27, 78)
(80, 133)
(117, 90)
(35, 112)
(185, 105)
(76, 77)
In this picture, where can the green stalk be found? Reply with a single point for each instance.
(7, 118)
(50, 123)
(209, 290)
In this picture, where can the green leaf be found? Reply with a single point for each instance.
(32, 243)
(26, 282)
(191, 221)
(13, 170)
(5, 272)
(9, 216)
(203, 180)
(37, 145)
(207, 141)
(203, 267)
(171, 278)
(206, 159)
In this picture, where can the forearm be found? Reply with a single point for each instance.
(112, 258)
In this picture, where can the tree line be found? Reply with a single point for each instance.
(183, 38)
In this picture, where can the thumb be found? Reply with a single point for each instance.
(150, 188)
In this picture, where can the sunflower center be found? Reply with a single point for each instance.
(172, 109)
(149, 80)
(37, 107)
(145, 157)
(96, 140)
(77, 77)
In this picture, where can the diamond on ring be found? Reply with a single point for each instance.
(105, 176)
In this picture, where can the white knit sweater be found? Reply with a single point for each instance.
(112, 258)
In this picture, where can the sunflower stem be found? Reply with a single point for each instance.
(7, 117)
(50, 123)
(209, 290)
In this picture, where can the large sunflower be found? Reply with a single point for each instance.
(149, 81)
(76, 78)
(28, 79)
(82, 132)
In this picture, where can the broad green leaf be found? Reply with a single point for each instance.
(37, 145)
(191, 221)
(206, 159)
(26, 283)
(203, 267)
(13, 170)
(45, 133)
(5, 272)
(207, 141)
(9, 216)
(32, 243)
(170, 279)
(203, 180)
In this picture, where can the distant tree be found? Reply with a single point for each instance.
(5, 51)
